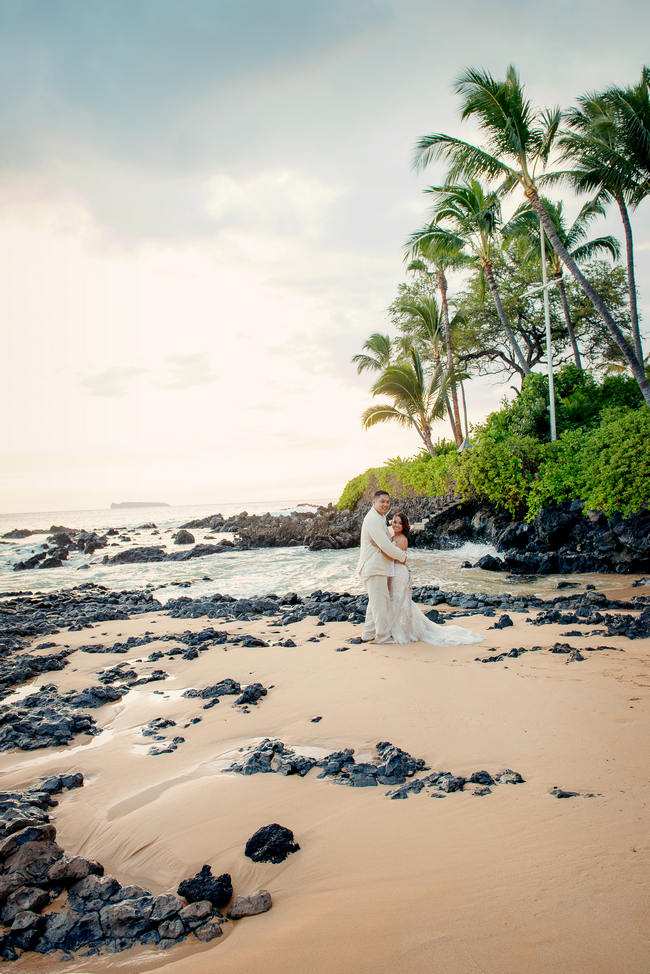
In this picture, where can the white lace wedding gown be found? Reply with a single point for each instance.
(410, 625)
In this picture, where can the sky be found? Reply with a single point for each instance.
(203, 208)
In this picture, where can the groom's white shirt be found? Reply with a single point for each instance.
(378, 560)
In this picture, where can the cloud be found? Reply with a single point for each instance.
(125, 76)
(112, 382)
(284, 200)
(187, 371)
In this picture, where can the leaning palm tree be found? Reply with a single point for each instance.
(465, 215)
(515, 132)
(380, 349)
(418, 399)
(443, 258)
(423, 328)
(606, 150)
(524, 223)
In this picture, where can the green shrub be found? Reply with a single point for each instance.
(560, 473)
(422, 475)
(353, 491)
(500, 471)
(608, 467)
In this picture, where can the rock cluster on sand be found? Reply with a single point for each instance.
(29, 614)
(228, 687)
(393, 766)
(42, 719)
(573, 655)
(88, 911)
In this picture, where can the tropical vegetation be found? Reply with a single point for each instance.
(493, 321)
(601, 456)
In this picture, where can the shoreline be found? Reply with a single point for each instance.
(496, 880)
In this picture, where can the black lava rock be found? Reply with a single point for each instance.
(205, 886)
(272, 843)
(503, 623)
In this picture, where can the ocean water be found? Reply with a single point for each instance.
(237, 573)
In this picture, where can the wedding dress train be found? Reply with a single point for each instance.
(410, 625)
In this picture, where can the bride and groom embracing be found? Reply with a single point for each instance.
(392, 616)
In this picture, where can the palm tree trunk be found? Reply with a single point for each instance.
(635, 364)
(516, 348)
(567, 318)
(455, 423)
(631, 281)
(425, 433)
(462, 392)
(452, 420)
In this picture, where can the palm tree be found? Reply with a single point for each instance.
(418, 399)
(525, 137)
(632, 109)
(608, 142)
(524, 222)
(423, 328)
(444, 258)
(473, 217)
(380, 348)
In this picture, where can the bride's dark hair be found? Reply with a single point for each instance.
(406, 524)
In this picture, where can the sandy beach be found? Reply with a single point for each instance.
(511, 881)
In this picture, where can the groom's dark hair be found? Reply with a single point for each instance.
(380, 493)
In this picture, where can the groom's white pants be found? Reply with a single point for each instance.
(378, 614)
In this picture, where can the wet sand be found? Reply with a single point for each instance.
(513, 881)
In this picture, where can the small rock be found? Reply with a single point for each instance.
(194, 914)
(208, 931)
(509, 777)
(503, 623)
(183, 537)
(561, 793)
(165, 906)
(171, 929)
(250, 906)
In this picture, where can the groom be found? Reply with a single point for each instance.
(376, 558)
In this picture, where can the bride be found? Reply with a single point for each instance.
(409, 624)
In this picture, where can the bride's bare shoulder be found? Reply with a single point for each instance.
(401, 542)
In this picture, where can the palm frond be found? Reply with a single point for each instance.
(380, 346)
(596, 246)
(464, 159)
(384, 414)
(544, 137)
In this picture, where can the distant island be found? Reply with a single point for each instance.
(140, 504)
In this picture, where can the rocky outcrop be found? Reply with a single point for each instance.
(153, 553)
(561, 539)
(59, 544)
